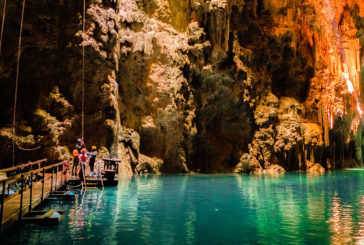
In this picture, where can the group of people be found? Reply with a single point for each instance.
(80, 157)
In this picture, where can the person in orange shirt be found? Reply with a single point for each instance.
(75, 162)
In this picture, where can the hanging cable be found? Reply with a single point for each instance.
(83, 72)
(2, 26)
(28, 149)
(17, 79)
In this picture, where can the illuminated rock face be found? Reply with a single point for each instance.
(202, 86)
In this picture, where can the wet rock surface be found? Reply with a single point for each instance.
(316, 169)
(188, 86)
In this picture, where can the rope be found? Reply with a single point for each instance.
(74, 186)
(2, 25)
(83, 72)
(83, 173)
(28, 149)
(17, 79)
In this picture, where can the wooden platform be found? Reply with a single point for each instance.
(12, 204)
(33, 195)
(108, 177)
(76, 182)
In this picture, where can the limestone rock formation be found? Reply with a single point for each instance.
(316, 169)
(188, 86)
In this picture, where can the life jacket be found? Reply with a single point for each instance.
(83, 157)
(75, 153)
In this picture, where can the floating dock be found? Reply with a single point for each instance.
(92, 181)
(50, 217)
(107, 176)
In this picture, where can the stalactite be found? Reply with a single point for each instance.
(358, 140)
(305, 154)
(326, 129)
(312, 154)
(192, 78)
(299, 152)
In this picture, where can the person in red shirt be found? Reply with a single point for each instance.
(80, 145)
(83, 160)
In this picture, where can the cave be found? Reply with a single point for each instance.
(194, 110)
(202, 93)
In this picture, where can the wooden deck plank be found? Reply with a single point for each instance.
(12, 206)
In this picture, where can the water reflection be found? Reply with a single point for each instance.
(223, 209)
(341, 222)
(82, 216)
(360, 233)
(293, 209)
(306, 210)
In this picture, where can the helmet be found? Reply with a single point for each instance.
(75, 153)
(93, 147)
(83, 150)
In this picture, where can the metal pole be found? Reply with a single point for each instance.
(31, 191)
(43, 184)
(63, 174)
(2, 203)
(52, 180)
(55, 188)
(21, 196)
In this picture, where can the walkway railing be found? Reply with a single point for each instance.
(32, 191)
(25, 166)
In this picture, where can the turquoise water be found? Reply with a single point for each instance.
(210, 209)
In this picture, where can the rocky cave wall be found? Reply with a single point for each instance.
(188, 86)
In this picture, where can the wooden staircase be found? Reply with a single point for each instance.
(92, 183)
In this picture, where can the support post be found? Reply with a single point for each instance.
(55, 188)
(62, 174)
(2, 203)
(21, 196)
(52, 180)
(43, 185)
(31, 191)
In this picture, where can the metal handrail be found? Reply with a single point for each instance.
(23, 165)
(22, 177)
(18, 176)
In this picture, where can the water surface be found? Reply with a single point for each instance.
(210, 209)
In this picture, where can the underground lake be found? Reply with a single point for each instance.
(209, 209)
